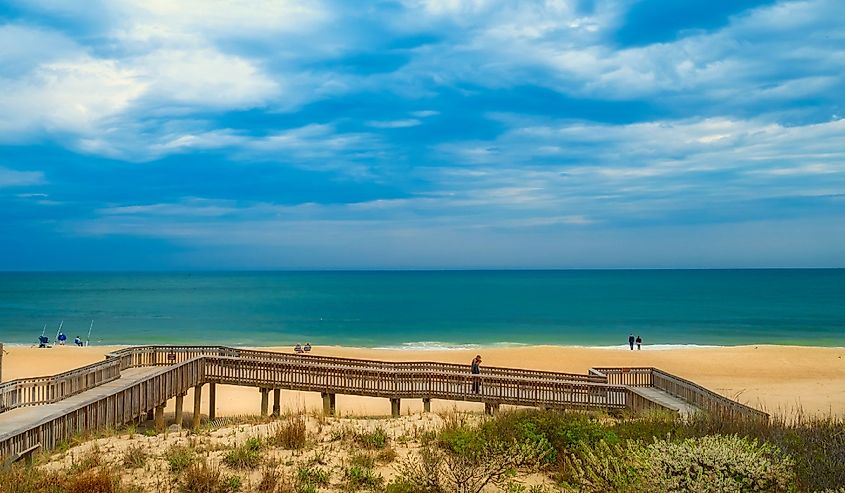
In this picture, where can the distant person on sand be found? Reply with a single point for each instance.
(631, 341)
(42, 341)
(307, 347)
(639, 343)
(61, 338)
(476, 370)
(77, 341)
(298, 348)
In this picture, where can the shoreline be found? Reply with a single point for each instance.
(785, 380)
(434, 347)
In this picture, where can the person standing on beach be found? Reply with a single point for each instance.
(476, 370)
(639, 343)
(631, 341)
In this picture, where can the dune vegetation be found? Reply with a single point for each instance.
(528, 451)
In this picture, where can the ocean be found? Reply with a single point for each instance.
(430, 309)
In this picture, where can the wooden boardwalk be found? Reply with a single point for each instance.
(134, 382)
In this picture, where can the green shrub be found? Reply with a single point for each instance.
(313, 476)
(179, 458)
(363, 459)
(357, 477)
(716, 463)
(602, 467)
(376, 439)
(247, 456)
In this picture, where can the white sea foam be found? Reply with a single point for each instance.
(450, 346)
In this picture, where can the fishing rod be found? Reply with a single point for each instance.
(88, 340)
(59, 331)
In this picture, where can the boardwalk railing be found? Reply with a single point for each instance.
(413, 383)
(168, 355)
(46, 390)
(681, 388)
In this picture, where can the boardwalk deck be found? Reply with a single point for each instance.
(135, 381)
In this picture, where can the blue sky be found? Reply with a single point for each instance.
(149, 134)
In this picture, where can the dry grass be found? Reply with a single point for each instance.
(290, 434)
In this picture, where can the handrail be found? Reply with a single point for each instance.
(156, 355)
(703, 397)
(682, 388)
(33, 391)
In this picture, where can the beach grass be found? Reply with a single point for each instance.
(529, 451)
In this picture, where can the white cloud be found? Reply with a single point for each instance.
(205, 78)
(73, 96)
(424, 113)
(14, 178)
(410, 122)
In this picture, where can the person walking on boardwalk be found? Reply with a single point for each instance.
(476, 370)
(631, 341)
(639, 343)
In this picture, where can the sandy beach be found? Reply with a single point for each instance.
(777, 379)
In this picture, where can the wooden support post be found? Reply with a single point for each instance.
(159, 418)
(180, 405)
(264, 401)
(328, 404)
(277, 402)
(150, 415)
(394, 408)
(212, 401)
(491, 408)
(195, 421)
(426, 404)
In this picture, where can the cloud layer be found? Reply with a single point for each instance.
(479, 133)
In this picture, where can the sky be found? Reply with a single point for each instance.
(206, 134)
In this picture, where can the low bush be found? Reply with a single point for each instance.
(313, 476)
(375, 439)
(200, 477)
(246, 456)
(134, 457)
(708, 464)
(19, 479)
(716, 463)
(290, 434)
(179, 458)
(363, 459)
(357, 477)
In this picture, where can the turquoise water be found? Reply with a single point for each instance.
(430, 309)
